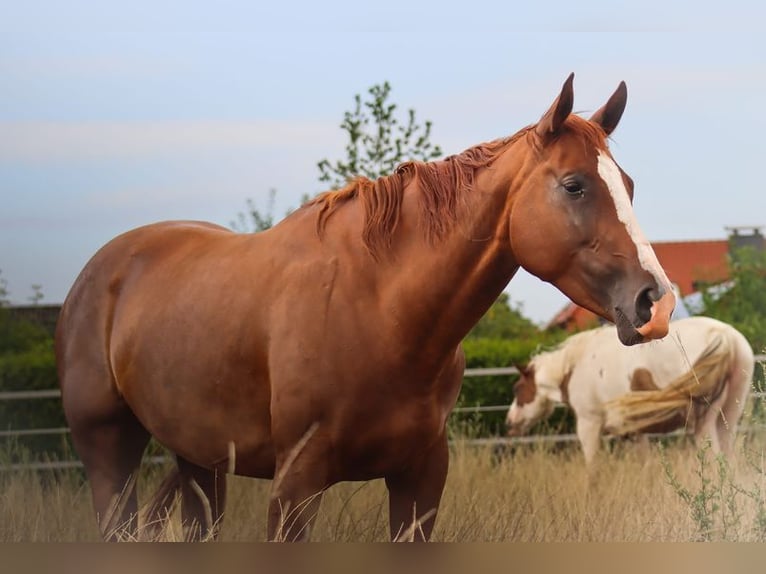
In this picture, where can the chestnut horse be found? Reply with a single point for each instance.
(327, 348)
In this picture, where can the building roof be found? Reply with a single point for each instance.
(690, 263)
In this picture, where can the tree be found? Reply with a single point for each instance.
(27, 362)
(3, 290)
(378, 141)
(37, 294)
(253, 220)
(503, 321)
(742, 304)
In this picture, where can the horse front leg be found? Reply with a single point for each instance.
(300, 479)
(293, 510)
(414, 495)
(589, 434)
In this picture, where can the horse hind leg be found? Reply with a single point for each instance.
(159, 509)
(713, 425)
(730, 414)
(203, 499)
(110, 449)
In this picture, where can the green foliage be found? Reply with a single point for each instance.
(32, 369)
(743, 305)
(254, 220)
(3, 290)
(503, 321)
(37, 294)
(27, 362)
(18, 336)
(28, 369)
(503, 337)
(716, 503)
(377, 140)
(484, 352)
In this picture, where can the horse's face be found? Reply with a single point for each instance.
(530, 404)
(572, 222)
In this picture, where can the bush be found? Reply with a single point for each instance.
(490, 390)
(27, 363)
(18, 335)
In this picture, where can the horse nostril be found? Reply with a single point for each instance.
(644, 302)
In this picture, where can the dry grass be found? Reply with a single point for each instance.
(634, 494)
(544, 497)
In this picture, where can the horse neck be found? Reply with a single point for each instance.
(448, 284)
(553, 368)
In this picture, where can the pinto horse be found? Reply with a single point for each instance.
(697, 378)
(327, 348)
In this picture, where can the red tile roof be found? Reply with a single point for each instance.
(687, 262)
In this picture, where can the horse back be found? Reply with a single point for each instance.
(702, 364)
(603, 369)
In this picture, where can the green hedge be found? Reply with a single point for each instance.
(27, 363)
(489, 390)
(34, 369)
(498, 390)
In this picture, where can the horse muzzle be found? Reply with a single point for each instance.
(652, 317)
(659, 321)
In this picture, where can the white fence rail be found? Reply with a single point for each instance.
(485, 372)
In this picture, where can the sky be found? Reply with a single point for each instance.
(118, 114)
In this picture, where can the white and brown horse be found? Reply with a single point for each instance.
(696, 378)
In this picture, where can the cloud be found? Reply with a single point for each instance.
(40, 142)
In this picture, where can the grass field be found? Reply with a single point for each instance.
(637, 492)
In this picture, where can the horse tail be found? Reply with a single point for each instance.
(161, 505)
(685, 397)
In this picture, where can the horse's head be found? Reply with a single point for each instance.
(572, 222)
(531, 403)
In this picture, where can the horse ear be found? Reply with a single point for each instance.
(609, 115)
(551, 121)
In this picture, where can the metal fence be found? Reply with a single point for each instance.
(484, 372)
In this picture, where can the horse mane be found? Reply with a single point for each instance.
(444, 186)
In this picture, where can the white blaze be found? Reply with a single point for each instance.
(611, 175)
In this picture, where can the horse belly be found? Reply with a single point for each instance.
(206, 417)
(388, 442)
(238, 441)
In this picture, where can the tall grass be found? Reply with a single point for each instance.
(637, 492)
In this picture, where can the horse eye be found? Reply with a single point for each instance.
(573, 187)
